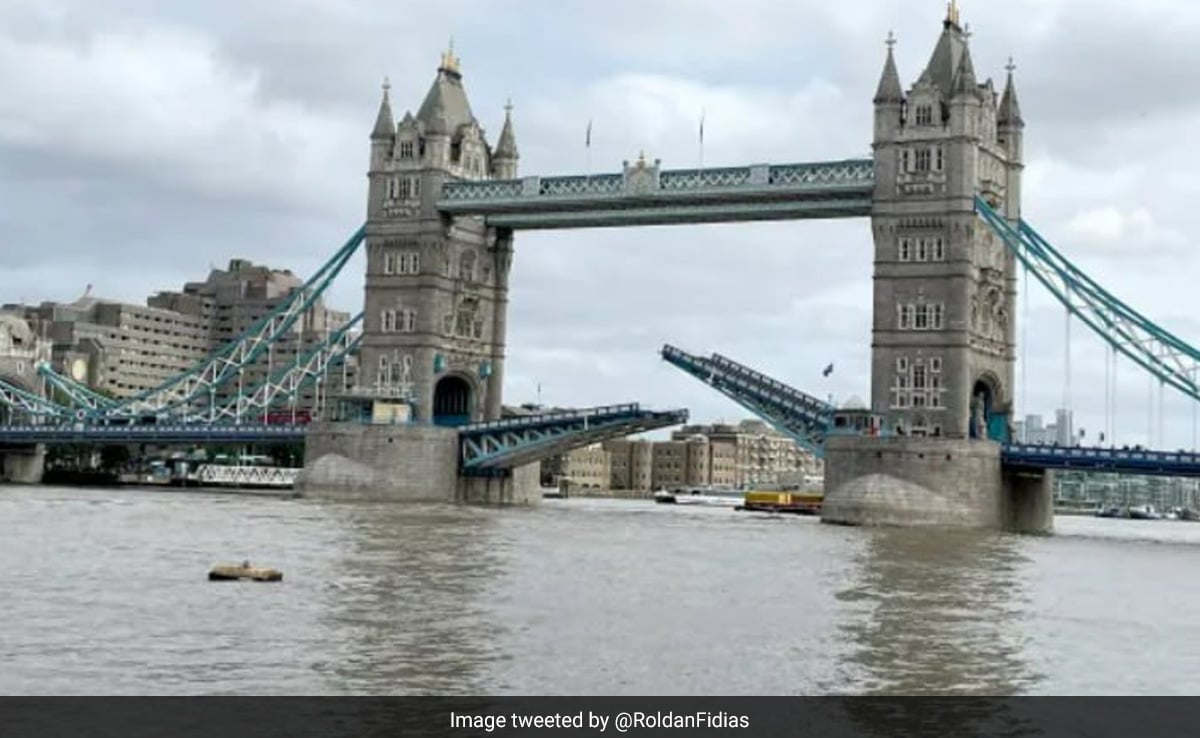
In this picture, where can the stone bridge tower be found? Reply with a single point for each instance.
(436, 288)
(944, 342)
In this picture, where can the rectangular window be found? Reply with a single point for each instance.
(937, 159)
(935, 365)
(405, 189)
(918, 377)
(921, 317)
(936, 317)
(902, 317)
(924, 115)
(918, 399)
(905, 249)
(922, 249)
(389, 263)
(406, 149)
(388, 319)
(409, 263)
(902, 364)
(939, 249)
(922, 160)
(905, 164)
(408, 321)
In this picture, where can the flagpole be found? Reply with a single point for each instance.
(588, 144)
(702, 138)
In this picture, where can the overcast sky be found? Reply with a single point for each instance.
(142, 143)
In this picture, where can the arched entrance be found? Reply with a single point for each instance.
(985, 420)
(452, 401)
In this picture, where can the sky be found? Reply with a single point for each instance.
(143, 143)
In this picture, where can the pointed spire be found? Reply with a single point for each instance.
(449, 60)
(952, 13)
(889, 82)
(1010, 110)
(385, 124)
(964, 77)
(506, 146)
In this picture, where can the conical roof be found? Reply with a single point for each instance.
(889, 90)
(446, 97)
(506, 146)
(1010, 109)
(946, 58)
(384, 122)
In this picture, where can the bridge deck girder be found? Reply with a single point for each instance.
(506, 444)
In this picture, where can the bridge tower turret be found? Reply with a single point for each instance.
(436, 287)
(943, 335)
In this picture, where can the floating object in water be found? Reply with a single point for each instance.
(233, 572)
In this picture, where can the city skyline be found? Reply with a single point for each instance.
(265, 154)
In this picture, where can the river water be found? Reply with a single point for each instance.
(105, 592)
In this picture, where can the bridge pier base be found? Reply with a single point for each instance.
(911, 482)
(23, 465)
(1030, 500)
(400, 463)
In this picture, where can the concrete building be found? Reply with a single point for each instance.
(122, 349)
(1061, 432)
(118, 348)
(230, 301)
(632, 463)
(589, 467)
(750, 453)
(738, 455)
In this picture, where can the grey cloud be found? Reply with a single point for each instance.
(264, 158)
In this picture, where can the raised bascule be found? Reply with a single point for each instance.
(425, 420)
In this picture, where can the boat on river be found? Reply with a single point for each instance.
(707, 496)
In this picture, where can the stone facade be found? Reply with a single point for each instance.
(401, 463)
(436, 290)
(945, 286)
(944, 341)
(906, 481)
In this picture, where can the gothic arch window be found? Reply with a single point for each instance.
(466, 265)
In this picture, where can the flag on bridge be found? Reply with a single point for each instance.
(701, 127)
(827, 371)
(588, 140)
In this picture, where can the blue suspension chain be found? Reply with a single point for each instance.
(1025, 350)
(1067, 363)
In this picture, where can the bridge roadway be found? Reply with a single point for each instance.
(1102, 460)
(486, 449)
(808, 420)
(645, 195)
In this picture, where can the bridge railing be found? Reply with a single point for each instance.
(1083, 452)
(855, 174)
(525, 421)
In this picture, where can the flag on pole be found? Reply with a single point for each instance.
(828, 370)
(588, 141)
(701, 127)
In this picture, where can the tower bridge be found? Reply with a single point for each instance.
(942, 190)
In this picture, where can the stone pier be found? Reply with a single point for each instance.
(22, 464)
(904, 481)
(401, 463)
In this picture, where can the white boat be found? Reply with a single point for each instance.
(700, 496)
(1144, 512)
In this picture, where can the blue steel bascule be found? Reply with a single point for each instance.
(457, 202)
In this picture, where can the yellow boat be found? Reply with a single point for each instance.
(800, 503)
